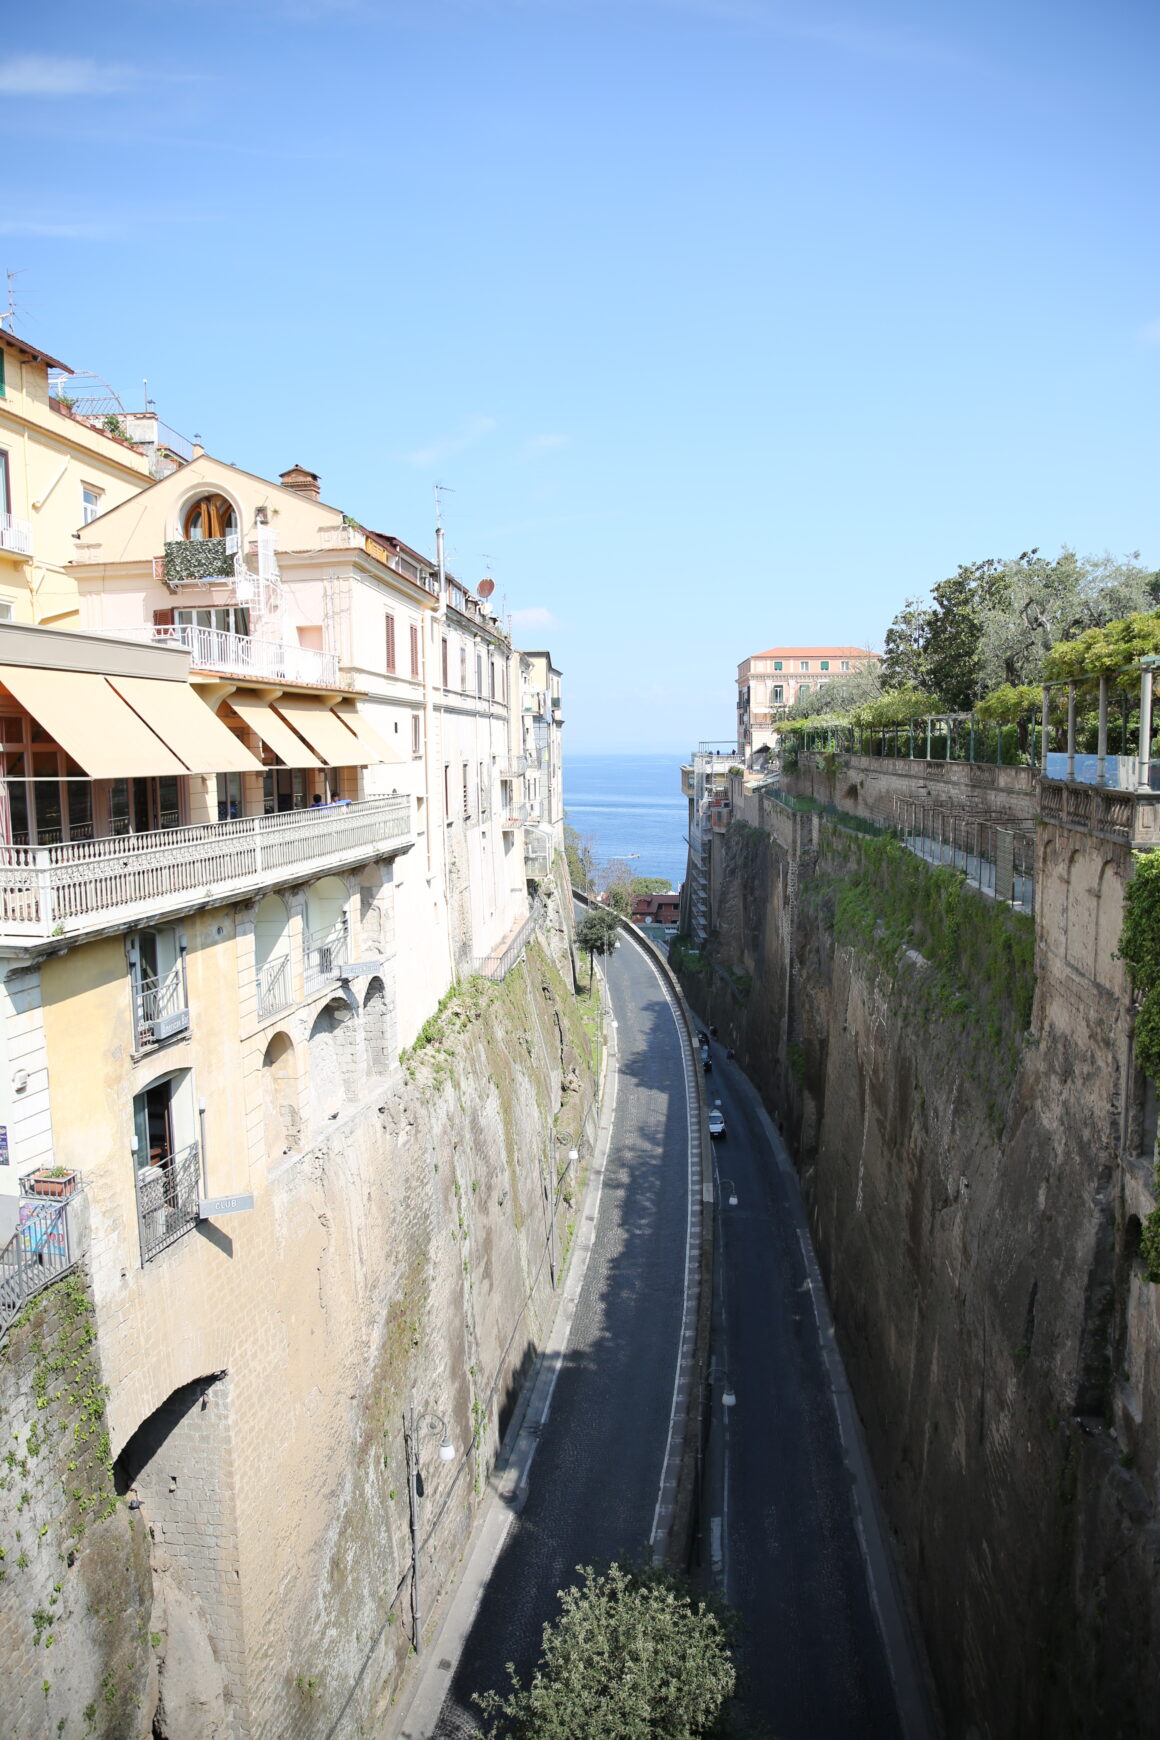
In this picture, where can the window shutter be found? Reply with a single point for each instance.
(163, 619)
(390, 642)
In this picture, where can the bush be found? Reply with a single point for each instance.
(633, 1654)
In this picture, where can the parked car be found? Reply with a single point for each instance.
(716, 1122)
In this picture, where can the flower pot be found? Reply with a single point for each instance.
(44, 1184)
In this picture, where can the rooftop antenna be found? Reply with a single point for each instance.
(441, 489)
(12, 311)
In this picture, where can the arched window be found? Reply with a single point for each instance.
(272, 955)
(375, 1034)
(210, 516)
(333, 1065)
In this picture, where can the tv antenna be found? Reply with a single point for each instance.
(440, 490)
(12, 311)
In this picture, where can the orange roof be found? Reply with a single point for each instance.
(816, 652)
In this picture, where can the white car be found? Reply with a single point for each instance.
(716, 1122)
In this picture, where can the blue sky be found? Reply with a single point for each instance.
(726, 322)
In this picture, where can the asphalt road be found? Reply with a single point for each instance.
(597, 1473)
(786, 1541)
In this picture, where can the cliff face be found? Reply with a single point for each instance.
(264, 1587)
(970, 1158)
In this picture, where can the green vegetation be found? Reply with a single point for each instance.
(634, 1654)
(683, 957)
(578, 856)
(596, 934)
(971, 960)
(1140, 951)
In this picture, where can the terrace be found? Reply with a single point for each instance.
(83, 887)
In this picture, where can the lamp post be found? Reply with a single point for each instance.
(413, 1425)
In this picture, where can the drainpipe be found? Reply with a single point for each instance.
(1071, 732)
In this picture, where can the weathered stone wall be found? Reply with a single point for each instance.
(75, 1595)
(868, 785)
(972, 1205)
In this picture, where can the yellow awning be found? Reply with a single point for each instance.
(91, 722)
(182, 719)
(368, 736)
(337, 746)
(274, 732)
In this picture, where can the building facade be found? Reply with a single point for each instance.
(769, 683)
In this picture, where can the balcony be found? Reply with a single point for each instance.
(42, 1248)
(240, 655)
(274, 986)
(167, 1199)
(514, 768)
(1131, 817)
(89, 886)
(517, 815)
(15, 535)
(160, 1009)
(325, 951)
(198, 562)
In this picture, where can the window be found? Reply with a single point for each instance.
(414, 651)
(390, 642)
(157, 973)
(492, 663)
(803, 688)
(90, 502)
(446, 788)
(479, 674)
(229, 796)
(416, 734)
(778, 692)
(777, 664)
(166, 1160)
(845, 664)
(804, 665)
(5, 491)
(225, 618)
(825, 664)
(446, 678)
(2, 391)
(463, 670)
(466, 795)
(211, 516)
(483, 782)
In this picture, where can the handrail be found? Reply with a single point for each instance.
(38, 1253)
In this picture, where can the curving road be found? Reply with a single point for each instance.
(597, 1473)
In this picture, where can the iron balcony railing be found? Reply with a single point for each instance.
(214, 649)
(38, 1251)
(71, 888)
(160, 1008)
(274, 985)
(500, 964)
(325, 953)
(167, 1197)
(15, 535)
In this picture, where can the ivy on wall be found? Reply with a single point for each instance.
(197, 559)
(1140, 951)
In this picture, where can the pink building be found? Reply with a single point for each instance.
(768, 684)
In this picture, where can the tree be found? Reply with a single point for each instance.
(634, 1654)
(1047, 602)
(839, 694)
(650, 885)
(904, 647)
(578, 856)
(596, 934)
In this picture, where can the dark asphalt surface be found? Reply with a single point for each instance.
(597, 1472)
(810, 1651)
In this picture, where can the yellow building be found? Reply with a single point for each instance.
(60, 468)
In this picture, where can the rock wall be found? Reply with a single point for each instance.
(75, 1593)
(974, 1166)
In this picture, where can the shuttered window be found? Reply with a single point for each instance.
(390, 642)
(414, 651)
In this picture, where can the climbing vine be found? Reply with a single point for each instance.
(1140, 951)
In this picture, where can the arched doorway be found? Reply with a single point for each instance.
(281, 1118)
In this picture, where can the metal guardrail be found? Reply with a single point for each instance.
(167, 1197)
(274, 986)
(38, 1252)
(325, 951)
(498, 966)
(160, 1008)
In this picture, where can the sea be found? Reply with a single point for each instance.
(630, 807)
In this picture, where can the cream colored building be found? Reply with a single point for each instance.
(59, 469)
(543, 757)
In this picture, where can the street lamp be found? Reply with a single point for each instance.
(429, 1424)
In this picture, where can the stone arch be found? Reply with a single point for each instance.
(280, 1114)
(376, 1030)
(333, 1063)
(179, 1464)
(326, 903)
(1082, 889)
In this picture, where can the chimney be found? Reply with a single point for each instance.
(198, 450)
(302, 482)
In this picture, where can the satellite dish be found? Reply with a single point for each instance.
(486, 588)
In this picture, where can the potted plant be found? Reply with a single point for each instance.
(51, 1181)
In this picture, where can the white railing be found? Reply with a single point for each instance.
(160, 1008)
(213, 649)
(274, 985)
(325, 952)
(15, 535)
(516, 816)
(62, 890)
